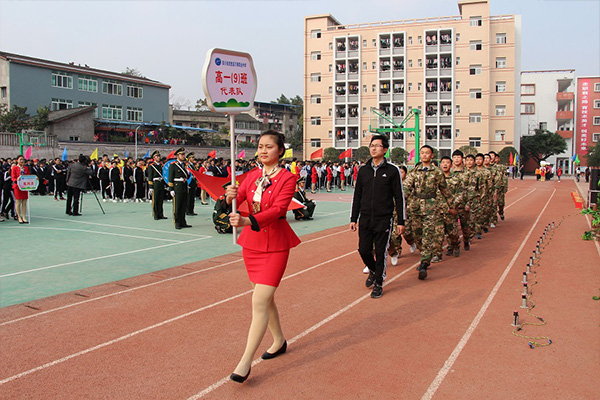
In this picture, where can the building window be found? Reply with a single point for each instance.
(315, 55)
(87, 104)
(61, 104)
(457, 132)
(596, 120)
(329, 134)
(374, 65)
(596, 137)
(62, 80)
(475, 118)
(330, 112)
(420, 62)
(112, 112)
(475, 69)
(74, 138)
(527, 108)
(457, 37)
(409, 86)
(364, 42)
(475, 45)
(330, 68)
(410, 63)
(419, 86)
(475, 21)
(528, 89)
(315, 99)
(596, 102)
(3, 92)
(500, 62)
(457, 109)
(315, 120)
(500, 135)
(87, 84)
(500, 86)
(500, 38)
(410, 40)
(315, 34)
(330, 89)
(475, 141)
(543, 126)
(315, 77)
(500, 111)
(135, 91)
(373, 89)
(374, 42)
(314, 142)
(364, 88)
(420, 39)
(475, 93)
(112, 87)
(135, 114)
(364, 110)
(457, 85)
(596, 87)
(364, 66)
(457, 60)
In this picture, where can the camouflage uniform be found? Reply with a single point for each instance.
(496, 189)
(503, 190)
(450, 221)
(421, 186)
(486, 201)
(468, 188)
(395, 246)
(478, 180)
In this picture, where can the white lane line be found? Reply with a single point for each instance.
(118, 226)
(129, 335)
(147, 285)
(101, 257)
(467, 335)
(316, 326)
(96, 232)
(519, 199)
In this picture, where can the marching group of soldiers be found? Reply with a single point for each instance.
(463, 194)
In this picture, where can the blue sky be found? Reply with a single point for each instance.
(168, 41)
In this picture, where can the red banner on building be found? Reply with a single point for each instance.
(584, 86)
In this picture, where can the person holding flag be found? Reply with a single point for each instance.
(156, 184)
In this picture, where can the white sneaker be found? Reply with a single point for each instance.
(366, 270)
(395, 260)
(114, 200)
(492, 226)
(104, 200)
(413, 248)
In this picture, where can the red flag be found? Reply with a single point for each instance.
(213, 184)
(171, 155)
(212, 154)
(317, 154)
(510, 159)
(347, 153)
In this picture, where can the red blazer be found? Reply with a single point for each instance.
(314, 174)
(270, 230)
(329, 174)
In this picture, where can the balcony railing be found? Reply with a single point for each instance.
(564, 115)
(565, 96)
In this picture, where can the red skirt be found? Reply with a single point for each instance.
(20, 194)
(265, 268)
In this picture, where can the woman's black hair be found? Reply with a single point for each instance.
(279, 139)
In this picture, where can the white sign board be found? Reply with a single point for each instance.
(229, 81)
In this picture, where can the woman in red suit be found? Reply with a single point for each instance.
(20, 196)
(266, 241)
(314, 177)
(329, 177)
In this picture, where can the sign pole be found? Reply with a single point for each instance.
(232, 156)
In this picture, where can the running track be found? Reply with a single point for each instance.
(177, 333)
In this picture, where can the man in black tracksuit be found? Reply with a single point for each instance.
(378, 190)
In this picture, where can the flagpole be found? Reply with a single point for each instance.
(232, 154)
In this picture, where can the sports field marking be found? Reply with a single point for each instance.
(148, 285)
(520, 198)
(102, 257)
(117, 226)
(467, 335)
(316, 326)
(132, 334)
(96, 232)
(333, 213)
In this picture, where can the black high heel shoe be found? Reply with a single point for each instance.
(238, 378)
(267, 356)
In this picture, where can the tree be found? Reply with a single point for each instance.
(40, 121)
(282, 100)
(505, 153)
(201, 105)
(468, 150)
(331, 154)
(542, 145)
(133, 72)
(14, 121)
(593, 156)
(362, 153)
(398, 155)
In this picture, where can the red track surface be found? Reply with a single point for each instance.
(174, 338)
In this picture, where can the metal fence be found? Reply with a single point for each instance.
(31, 138)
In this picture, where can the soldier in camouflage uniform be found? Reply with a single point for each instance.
(450, 219)
(469, 192)
(503, 187)
(488, 189)
(480, 183)
(422, 185)
(496, 185)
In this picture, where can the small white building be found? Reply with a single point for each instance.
(548, 102)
